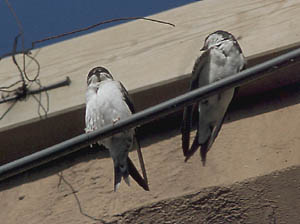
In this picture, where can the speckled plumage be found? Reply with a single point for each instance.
(222, 57)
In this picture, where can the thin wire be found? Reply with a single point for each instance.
(3, 88)
(15, 15)
(38, 68)
(84, 29)
(39, 101)
(14, 58)
(21, 92)
(99, 24)
(40, 105)
(62, 178)
(21, 32)
(9, 109)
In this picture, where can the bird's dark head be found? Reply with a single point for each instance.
(216, 38)
(98, 74)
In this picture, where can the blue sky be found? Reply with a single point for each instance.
(43, 18)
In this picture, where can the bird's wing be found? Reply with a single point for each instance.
(127, 98)
(188, 111)
(141, 160)
(199, 66)
(140, 155)
(219, 125)
(134, 173)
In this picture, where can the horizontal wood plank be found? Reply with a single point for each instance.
(141, 53)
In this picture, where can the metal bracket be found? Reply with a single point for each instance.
(24, 91)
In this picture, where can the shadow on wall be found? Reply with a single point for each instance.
(264, 102)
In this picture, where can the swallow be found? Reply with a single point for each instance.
(222, 57)
(107, 102)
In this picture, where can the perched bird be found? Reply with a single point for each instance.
(222, 57)
(107, 102)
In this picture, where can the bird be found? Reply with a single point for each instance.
(222, 57)
(107, 102)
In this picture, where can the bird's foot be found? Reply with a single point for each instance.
(88, 131)
(115, 120)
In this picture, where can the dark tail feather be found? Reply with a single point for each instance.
(186, 128)
(203, 151)
(134, 173)
(118, 178)
(193, 148)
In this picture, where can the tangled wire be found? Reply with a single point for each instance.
(20, 89)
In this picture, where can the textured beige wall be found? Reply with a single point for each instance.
(262, 137)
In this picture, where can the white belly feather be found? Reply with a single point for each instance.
(104, 107)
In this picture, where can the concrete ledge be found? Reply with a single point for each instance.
(273, 198)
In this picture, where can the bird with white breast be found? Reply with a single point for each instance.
(222, 57)
(107, 102)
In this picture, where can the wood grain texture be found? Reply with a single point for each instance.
(141, 53)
